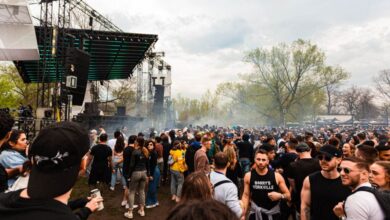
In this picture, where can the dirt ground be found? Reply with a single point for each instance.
(112, 199)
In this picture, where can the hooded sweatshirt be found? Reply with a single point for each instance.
(14, 207)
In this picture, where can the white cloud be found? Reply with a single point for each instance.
(205, 40)
(362, 49)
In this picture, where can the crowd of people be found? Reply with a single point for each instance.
(213, 172)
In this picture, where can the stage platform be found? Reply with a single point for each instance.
(113, 55)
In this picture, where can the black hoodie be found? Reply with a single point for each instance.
(13, 207)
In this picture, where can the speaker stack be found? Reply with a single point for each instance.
(158, 104)
(77, 65)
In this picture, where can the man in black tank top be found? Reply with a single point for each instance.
(322, 190)
(263, 189)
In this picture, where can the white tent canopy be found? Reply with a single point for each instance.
(17, 34)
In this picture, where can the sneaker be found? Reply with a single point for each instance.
(112, 188)
(135, 206)
(123, 203)
(150, 206)
(141, 213)
(127, 206)
(157, 204)
(129, 215)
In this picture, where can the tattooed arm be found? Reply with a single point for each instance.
(305, 197)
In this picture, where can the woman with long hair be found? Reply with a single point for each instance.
(196, 186)
(127, 152)
(151, 196)
(380, 175)
(13, 152)
(234, 171)
(177, 168)
(117, 162)
(139, 174)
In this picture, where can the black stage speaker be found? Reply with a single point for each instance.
(121, 111)
(159, 94)
(91, 109)
(77, 64)
(158, 105)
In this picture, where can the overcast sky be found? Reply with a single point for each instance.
(205, 40)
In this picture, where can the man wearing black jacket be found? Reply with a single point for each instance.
(166, 148)
(190, 153)
(245, 153)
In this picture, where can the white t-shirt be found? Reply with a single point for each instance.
(111, 143)
(363, 206)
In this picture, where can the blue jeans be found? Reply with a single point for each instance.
(245, 165)
(151, 196)
(117, 169)
(177, 180)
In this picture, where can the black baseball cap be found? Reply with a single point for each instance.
(56, 154)
(330, 150)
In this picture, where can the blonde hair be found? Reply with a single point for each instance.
(231, 155)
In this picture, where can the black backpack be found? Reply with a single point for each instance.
(383, 198)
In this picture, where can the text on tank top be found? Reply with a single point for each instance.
(260, 186)
(325, 194)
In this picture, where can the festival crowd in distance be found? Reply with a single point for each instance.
(213, 172)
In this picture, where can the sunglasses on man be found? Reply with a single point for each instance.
(344, 169)
(324, 157)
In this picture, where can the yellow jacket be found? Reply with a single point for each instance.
(180, 163)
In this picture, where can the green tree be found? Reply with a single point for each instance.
(289, 83)
(332, 77)
(246, 101)
(124, 94)
(382, 82)
(194, 110)
(14, 91)
(8, 98)
(287, 74)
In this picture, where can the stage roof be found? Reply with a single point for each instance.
(113, 55)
